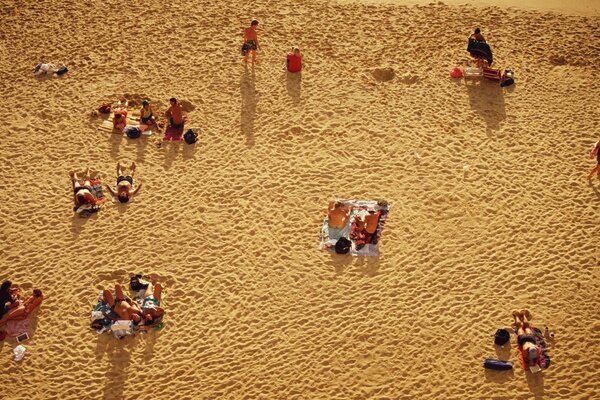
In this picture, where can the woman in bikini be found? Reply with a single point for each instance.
(525, 338)
(82, 190)
(24, 308)
(124, 190)
(125, 308)
(151, 310)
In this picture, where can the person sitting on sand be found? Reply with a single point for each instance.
(294, 60)
(120, 119)
(147, 114)
(525, 337)
(125, 308)
(124, 190)
(82, 192)
(250, 41)
(8, 297)
(338, 214)
(477, 36)
(151, 310)
(595, 153)
(175, 114)
(24, 308)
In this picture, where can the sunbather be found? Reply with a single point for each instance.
(124, 190)
(338, 214)
(8, 296)
(371, 223)
(124, 308)
(175, 114)
(151, 310)
(525, 338)
(24, 308)
(120, 120)
(147, 114)
(595, 153)
(82, 190)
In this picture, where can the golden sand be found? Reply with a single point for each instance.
(491, 206)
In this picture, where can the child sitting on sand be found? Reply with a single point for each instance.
(294, 60)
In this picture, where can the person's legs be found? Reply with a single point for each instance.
(119, 292)
(595, 171)
(119, 169)
(132, 168)
(517, 316)
(74, 179)
(253, 56)
(14, 313)
(87, 178)
(157, 290)
(108, 298)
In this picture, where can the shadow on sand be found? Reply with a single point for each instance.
(249, 100)
(487, 100)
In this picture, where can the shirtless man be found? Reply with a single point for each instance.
(371, 222)
(175, 114)
(525, 337)
(125, 309)
(151, 310)
(338, 215)
(24, 308)
(251, 41)
(124, 185)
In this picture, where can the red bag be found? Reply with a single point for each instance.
(104, 109)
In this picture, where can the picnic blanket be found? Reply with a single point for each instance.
(544, 358)
(133, 121)
(363, 243)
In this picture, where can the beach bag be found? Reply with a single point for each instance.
(62, 70)
(190, 136)
(502, 337)
(122, 328)
(104, 109)
(342, 246)
(135, 284)
(133, 133)
(498, 365)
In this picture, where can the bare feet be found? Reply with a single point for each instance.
(132, 168)
(517, 314)
(87, 173)
(526, 314)
(72, 175)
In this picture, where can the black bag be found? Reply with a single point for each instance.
(62, 70)
(190, 136)
(342, 246)
(498, 365)
(133, 133)
(135, 284)
(502, 337)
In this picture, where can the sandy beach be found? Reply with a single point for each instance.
(491, 208)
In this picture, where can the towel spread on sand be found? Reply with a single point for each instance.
(363, 242)
(16, 327)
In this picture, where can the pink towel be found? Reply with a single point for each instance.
(173, 133)
(16, 327)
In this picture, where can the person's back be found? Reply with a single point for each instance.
(294, 60)
(338, 216)
(371, 220)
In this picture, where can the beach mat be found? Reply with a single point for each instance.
(16, 327)
(173, 133)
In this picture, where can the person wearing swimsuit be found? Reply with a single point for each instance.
(525, 338)
(147, 114)
(82, 191)
(125, 308)
(151, 310)
(24, 308)
(124, 190)
(250, 41)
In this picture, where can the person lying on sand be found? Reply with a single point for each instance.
(124, 190)
(338, 214)
(147, 114)
(82, 190)
(151, 310)
(124, 308)
(175, 114)
(525, 337)
(9, 295)
(250, 44)
(595, 153)
(24, 308)
(120, 120)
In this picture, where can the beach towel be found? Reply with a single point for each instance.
(174, 133)
(543, 358)
(363, 243)
(133, 121)
(16, 327)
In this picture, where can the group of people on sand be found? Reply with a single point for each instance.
(14, 306)
(148, 119)
(84, 194)
(122, 307)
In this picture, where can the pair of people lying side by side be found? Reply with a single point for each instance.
(125, 308)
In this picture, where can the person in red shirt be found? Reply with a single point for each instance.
(294, 60)
(250, 41)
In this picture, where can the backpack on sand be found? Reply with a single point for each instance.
(190, 136)
(502, 337)
(342, 246)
